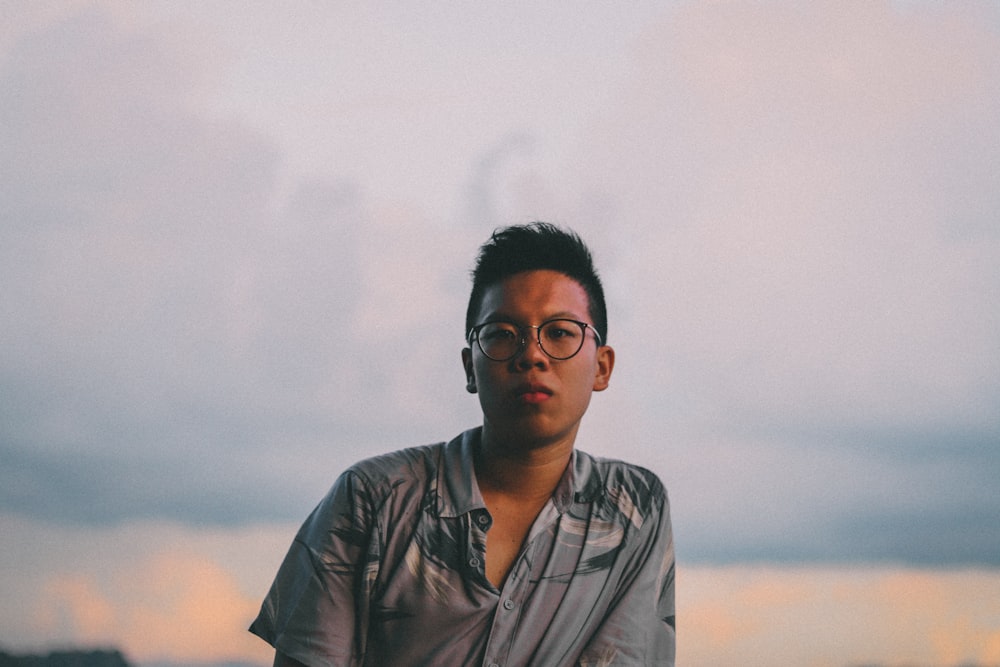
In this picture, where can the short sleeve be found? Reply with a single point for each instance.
(317, 608)
(640, 626)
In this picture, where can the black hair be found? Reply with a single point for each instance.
(532, 247)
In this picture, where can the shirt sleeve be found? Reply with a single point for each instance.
(640, 627)
(317, 609)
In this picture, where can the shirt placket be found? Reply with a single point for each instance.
(478, 523)
(507, 614)
(515, 590)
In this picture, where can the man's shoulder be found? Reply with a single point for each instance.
(614, 471)
(613, 478)
(407, 464)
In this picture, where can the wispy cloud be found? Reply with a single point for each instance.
(889, 616)
(233, 259)
(794, 206)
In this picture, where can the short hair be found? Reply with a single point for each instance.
(532, 247)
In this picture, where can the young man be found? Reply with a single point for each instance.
(505, 546)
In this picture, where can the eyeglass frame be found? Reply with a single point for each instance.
(523, 343)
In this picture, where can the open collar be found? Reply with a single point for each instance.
(458, 490)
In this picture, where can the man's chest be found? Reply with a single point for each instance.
(433, 592)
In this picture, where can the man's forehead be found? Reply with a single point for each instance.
(553, 292)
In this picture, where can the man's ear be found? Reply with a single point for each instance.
(470, 374)
(605, 364)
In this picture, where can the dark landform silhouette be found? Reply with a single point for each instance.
(67, 658)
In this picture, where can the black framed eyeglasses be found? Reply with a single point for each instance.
(559, 338)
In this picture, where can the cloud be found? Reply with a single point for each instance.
(813, 281)
(73, 606)
(180, 325)
(231, 265)
(148, 607)
(753, 616)
(792, 206)
(143, 585)
(790, 168)
(140, 586)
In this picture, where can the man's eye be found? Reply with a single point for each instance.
(560, 332)
(498, 334)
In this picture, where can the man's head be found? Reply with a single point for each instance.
(537, 246)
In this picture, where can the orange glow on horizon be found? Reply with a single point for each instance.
(173, 606)
(181, 606)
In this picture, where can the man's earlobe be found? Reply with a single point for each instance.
(605, 364)
(470, 377)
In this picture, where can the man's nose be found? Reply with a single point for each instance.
(532, 354)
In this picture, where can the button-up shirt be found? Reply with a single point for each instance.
(389, 569)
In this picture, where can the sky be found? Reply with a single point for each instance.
(234, 250)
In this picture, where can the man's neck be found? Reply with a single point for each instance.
(526, 473)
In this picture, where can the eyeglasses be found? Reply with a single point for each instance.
(560, 339)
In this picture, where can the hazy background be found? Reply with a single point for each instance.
(234, 253)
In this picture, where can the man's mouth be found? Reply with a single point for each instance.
(534, 393)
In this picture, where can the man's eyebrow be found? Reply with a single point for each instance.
(501, 316)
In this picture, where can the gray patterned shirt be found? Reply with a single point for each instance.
(388, 570)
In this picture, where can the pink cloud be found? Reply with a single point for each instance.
(828, 617)
(166, 592)
(73, 604)
(176, 606)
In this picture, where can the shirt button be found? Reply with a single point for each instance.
(483, 519)
(473, 562)
(508, 604)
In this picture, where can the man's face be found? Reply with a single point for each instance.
(533, 400)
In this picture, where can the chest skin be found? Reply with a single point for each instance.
(512, 521)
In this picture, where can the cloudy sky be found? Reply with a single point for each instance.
(234, 254)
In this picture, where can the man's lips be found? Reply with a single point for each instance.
(533, 393)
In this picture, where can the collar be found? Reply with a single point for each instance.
(458, 490)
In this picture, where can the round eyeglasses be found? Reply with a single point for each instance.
(560, 338)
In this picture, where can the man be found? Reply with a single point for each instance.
(505, 546)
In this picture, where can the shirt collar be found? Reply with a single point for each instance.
(458, 491)
(457, 488)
